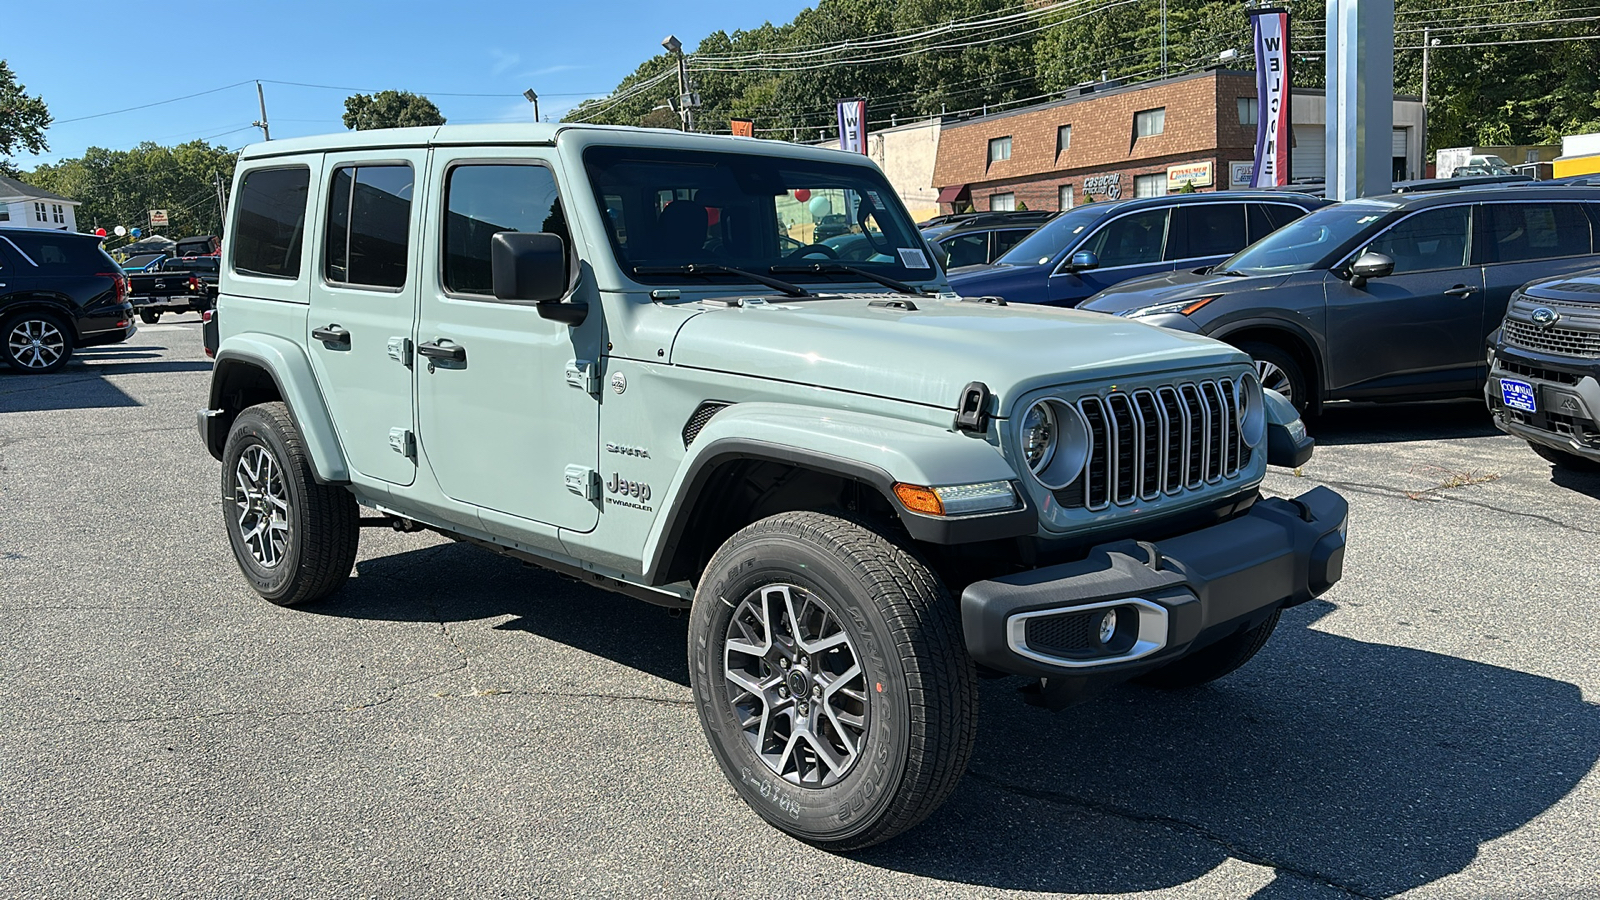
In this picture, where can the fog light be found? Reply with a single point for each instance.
(1108, 626)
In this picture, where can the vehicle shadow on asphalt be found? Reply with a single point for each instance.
(1587, 483)
(82, 383)
(1349, 767)
(1385, 423)
(474, 584)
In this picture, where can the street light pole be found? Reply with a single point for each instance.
(261, 97)
(534, 99)
(685, 107)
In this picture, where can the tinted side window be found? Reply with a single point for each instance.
(1265, 218)
(483, 200)
(1207, 229)
(369, 221)
(1524, 231)
(1005, 240)
(270, 221)
(1436, 239)
(966, 250)
(1132, 240)
(59, 254)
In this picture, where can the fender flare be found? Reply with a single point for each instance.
(1292, 329)
(872, 449)
(286, 364)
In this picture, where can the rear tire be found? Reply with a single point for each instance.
(1210, 663)
(149, 318)
(295, 540)
(809, 605)
(37, 343)
(1279, 371)
(1561, 459)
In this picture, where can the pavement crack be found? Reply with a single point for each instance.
(1380, 490)
(1175, 824)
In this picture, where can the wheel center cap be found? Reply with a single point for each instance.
(799, 683)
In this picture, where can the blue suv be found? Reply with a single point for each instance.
(1094, 246)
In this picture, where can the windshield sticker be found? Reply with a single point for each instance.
(873, 196)
(912, 258)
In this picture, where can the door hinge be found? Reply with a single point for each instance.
(403, 442)
(400, 350)
(583, 481)
(584, 375)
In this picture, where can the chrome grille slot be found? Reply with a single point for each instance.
(1159, 441)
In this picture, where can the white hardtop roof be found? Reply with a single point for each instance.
(532, 134)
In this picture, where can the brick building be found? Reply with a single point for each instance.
(1115, 141)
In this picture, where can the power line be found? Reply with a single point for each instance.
(115, 112)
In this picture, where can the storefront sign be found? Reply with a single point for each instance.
(1103, 187)
(1200, 174)
(1241, 175)
(158, 217)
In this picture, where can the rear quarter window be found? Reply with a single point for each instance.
(269, 222)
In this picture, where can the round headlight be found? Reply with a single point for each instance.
(1038, 435)
(1252, 409)
(1055, 442)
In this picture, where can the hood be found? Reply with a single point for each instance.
(1173, 286)
(929, 354)
(1022, 284)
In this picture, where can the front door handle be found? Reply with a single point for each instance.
(443, 349)
(331, 334)
(1460, 290)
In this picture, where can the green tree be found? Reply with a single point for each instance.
(389, 109)
(120, 187)
(23, 120)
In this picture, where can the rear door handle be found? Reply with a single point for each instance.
(331, 334)
(1461, 290)
(443, 349)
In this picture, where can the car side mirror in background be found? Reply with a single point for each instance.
(1083, 259)
(531, 267)
(1370, 265)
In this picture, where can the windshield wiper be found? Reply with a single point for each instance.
(842, 269)
(792, 290)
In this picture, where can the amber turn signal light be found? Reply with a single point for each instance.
(917, 498)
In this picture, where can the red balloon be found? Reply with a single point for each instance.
(100, 231)
(802, 194)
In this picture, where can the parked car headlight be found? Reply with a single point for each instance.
(1177, 307)
(1055, 442)
(1252, 409)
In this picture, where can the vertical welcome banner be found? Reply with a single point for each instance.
(1272, 96)
(853, 125)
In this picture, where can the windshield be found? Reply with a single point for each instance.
(1307, 242)
(1054, 236)
(667, 209)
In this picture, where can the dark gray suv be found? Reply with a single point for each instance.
(1383, 298)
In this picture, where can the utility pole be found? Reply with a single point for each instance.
(1163, 38)
(266, 131)
(686, 101)
(222, 199)
(534, 99)
(1424, 71)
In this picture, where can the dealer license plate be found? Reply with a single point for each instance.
(1518, 395)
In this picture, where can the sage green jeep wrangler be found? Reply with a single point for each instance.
(628, 356)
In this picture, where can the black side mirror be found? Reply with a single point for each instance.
(1083, 259)
(531, 267)
(1370, 265)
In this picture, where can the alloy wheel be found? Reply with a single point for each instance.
(795, 682)
(36, 343)
(1275, 378)
(263, 505)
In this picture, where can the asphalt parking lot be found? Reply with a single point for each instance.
(453, 724)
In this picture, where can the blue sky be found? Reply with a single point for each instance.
(108, 58)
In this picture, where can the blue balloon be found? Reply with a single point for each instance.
(135, 232)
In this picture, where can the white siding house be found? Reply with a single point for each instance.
(25, 206)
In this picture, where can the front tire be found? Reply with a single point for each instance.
(1561, 459)
(295, 540)
(1210, 663)
(831, 679)
(1278, 370)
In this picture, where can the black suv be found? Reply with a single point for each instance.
(1382, 298)
(977, 239)
(58, 292)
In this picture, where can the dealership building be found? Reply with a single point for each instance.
(1110, 141)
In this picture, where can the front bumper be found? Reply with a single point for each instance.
(1567, 400)
(1170, 597)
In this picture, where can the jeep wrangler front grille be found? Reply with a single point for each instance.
(1555, 341)
(1159, 441)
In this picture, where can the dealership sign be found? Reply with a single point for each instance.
(158, 217)
(1241, 175)
(1272, 96)
(1200, 174)
(1106, 187)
